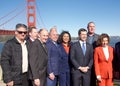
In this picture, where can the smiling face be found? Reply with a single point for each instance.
(105, 42)
(53, 35)
(66, 38)
(43, 35)
(83, 35)
(33, 34)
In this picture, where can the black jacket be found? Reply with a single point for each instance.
(11, 61)
(38, 58)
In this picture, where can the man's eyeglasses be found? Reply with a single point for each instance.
(21, 32)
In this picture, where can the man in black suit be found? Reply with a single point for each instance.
(81, 56)
(32, 36)
(39, 58)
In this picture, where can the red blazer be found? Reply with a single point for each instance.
(103, 67)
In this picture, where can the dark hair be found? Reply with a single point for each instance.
(31, 28)
(80, 30)
(101, 37)
(21, 25)
(40, 30)
(60, 38)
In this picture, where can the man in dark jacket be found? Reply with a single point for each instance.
(32, 36)
(92, 38)
(14, 58)
(38, 59)
(81, 56)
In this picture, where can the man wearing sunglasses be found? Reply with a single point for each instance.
(14, 58)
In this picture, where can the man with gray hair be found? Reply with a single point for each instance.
(53, 57)
(92, 37)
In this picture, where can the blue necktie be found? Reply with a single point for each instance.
(83, 48)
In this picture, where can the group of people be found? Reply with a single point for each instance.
(42, 58)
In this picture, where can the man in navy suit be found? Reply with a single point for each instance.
(81, 56)
(53, 58)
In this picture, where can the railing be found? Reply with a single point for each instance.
(7, 32)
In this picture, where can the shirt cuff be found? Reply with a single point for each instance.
(79, 67)
(98, 76)
(88, 67)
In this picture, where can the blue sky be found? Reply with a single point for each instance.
(70, 15)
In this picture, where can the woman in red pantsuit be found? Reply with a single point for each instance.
(103, 57)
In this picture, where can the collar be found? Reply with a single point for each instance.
(65, 45)
(82, 42)
(90, 35)
(32, 39)
(20, 41)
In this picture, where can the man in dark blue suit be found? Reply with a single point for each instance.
(53, 58)
(81, 56)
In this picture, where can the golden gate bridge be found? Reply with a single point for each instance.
(31, 16)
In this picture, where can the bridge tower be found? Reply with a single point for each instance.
(31, 13)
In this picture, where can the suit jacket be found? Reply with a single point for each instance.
(117, 57)
(38, 58)
(53, 57)
(78, 58)
(64, 60)
(103, 67)
(29, 42)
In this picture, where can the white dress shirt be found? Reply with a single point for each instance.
(24, 58)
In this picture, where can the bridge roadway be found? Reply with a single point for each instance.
(7, 32)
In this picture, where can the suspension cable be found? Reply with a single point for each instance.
(12, 17)
(40, 15)
(11, 12)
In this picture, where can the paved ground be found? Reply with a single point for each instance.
(116, 82)
(0, 73)
(1, 83)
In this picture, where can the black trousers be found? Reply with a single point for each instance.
(25, 82)
(80, 79)
(93, 77)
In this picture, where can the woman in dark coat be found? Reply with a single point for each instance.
(65, 42)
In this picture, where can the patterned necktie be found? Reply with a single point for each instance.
(44, 45)
(83, 48)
